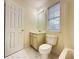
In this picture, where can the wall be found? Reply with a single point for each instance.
(68, 22)
(30, 23)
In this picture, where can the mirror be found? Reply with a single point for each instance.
(41, 23)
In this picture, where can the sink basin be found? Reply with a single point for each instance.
(37, 32)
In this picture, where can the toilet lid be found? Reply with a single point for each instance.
(45, 46)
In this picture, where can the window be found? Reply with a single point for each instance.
(54, 18)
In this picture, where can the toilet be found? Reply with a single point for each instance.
(45, 49)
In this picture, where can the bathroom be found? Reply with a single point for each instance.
(24, 18)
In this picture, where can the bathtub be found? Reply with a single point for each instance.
(67, 53)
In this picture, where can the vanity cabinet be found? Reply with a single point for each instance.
(36, 39)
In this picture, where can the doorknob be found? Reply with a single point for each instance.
(22, 30)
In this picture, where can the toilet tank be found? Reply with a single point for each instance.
(51, 39)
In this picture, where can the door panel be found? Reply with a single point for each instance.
(12, 40)
(14, 28)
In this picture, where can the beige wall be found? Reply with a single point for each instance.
(30, 23)
(68, 22)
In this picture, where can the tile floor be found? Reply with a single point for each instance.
(28, 53)
(53, 56)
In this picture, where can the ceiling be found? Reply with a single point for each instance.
(36, 3)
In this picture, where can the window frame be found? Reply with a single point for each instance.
(51, 31)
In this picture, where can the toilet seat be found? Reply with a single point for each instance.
(45, 46)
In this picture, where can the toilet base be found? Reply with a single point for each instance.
(44, 56)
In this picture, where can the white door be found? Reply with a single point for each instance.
(14, 28)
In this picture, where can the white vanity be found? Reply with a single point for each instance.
(36, 39)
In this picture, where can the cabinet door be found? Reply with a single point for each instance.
(41, 39)
(35, 42)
